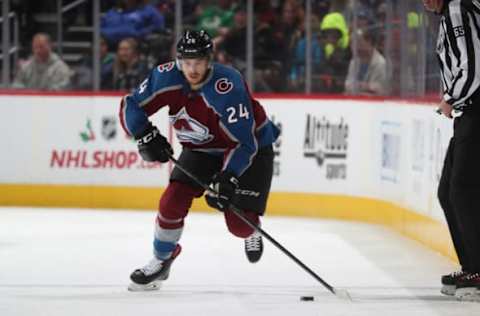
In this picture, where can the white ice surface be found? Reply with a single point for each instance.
(77, 262)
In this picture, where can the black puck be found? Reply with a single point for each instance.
(306, 298)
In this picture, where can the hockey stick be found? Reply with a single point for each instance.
(341, 293)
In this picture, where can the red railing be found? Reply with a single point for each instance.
(429, 99)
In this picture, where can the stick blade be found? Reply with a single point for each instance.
(342, 294)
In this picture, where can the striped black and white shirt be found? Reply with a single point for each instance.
(458, 51)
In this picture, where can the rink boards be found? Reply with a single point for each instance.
(354, 159)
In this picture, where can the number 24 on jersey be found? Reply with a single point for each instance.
(233, 115)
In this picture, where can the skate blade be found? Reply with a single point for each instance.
(153, 286)
(448, 290)
(468, 294)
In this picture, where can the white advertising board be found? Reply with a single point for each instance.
(385, 150)
(321, 145)
(71, 140)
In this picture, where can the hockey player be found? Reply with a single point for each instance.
(227, 141)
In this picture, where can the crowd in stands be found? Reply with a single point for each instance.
(138, 34)
(44, 70)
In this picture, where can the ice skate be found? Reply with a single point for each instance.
(254, 247)
(468, 288)
(449, 282)
(150, 276)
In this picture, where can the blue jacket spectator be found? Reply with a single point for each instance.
(135, 20)
(298, 67)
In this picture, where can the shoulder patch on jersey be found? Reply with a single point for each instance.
(459, 31)
(223, 86)
(166, 67)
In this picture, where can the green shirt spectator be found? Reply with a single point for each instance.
(214, 17)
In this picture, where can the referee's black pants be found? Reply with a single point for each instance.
(459, 189)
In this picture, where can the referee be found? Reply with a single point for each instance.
(458, 51)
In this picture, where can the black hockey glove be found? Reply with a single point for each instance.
(152, 146)
(225, 183)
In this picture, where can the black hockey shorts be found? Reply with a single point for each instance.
(254, 182)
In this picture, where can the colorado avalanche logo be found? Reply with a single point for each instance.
(166, 66)
(223, 86)
(188, 129)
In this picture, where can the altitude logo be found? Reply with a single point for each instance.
(327, 142)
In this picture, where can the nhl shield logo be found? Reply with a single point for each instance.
(109, 127)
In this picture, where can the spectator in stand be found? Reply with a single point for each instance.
(44, 70)
(134, 18)
(268, 72)
(363, 20)
(233, 44)
(106, 65)
(381, 26)
(128, 69)
(367, 72)
(216, 18)
(84, 74)
(335, 29)
(296, 78)
(286, 33)
(267, 51)
(334, 67)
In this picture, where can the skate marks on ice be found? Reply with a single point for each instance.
(167, 291)
(398, 294)
(215, 300)
(117, 291)
(71, 278)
